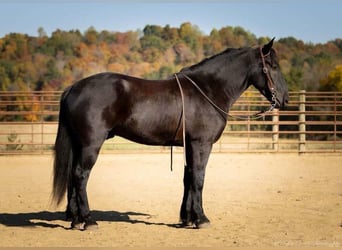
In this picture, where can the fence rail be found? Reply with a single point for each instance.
(312, 123)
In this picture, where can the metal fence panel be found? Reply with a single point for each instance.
(312, 123)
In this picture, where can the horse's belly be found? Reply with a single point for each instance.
(148, 133)
(147, 139)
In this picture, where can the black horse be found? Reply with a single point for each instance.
(153, 112)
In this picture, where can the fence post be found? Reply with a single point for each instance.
(335, 122)
(42, 108)
(275, 129)
(302, 128)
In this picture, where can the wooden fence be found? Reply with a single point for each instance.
(312, 123)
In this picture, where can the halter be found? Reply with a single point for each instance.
(270, 82)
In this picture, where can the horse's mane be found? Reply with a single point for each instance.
(226, 52)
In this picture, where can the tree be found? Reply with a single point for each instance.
(333, 82)
(191, 35)
(294, 79)
(170, 35)
(62, 41)
(41, 32)
(91, 35)
(152, 38)
(5, 81)
(55, 61)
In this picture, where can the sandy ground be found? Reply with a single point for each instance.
(251, 200)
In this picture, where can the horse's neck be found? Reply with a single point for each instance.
(225, 85)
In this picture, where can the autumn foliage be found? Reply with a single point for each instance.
(53, 62)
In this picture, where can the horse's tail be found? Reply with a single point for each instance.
(63, 154)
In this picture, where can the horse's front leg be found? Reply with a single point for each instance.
(192, 212)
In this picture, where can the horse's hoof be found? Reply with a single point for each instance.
(91, 226)
(187, 224)
(203, 225)
(76, 226)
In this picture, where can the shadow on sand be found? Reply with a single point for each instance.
(50, 219)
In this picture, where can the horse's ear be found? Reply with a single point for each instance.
(267, 47)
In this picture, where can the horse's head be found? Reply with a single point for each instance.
(267, 78)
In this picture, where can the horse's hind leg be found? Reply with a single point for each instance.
(72, 211)
(80, 176)
(72, 207)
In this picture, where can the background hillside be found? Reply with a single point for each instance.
(53, 62)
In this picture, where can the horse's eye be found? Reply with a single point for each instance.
(273, 65)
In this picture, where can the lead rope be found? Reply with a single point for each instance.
(256, 116)
(183, 119)
(205, 96)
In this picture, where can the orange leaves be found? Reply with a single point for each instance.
(56, 61)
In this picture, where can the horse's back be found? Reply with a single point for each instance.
(109, 104)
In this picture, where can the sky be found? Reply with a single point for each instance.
(313, 21)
